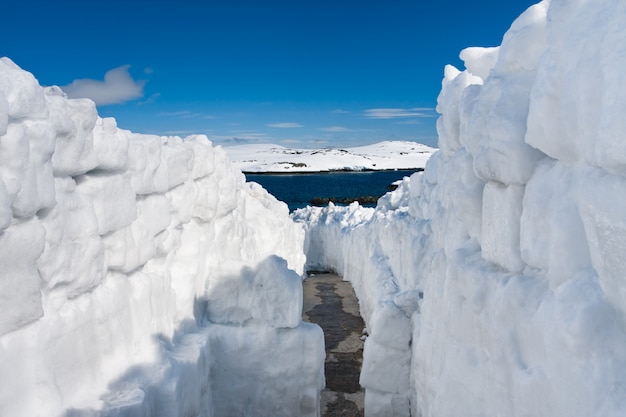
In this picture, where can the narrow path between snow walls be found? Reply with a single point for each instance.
(385, 372)
(331, 303)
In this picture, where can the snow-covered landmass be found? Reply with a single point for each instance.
(493, 283)
(379, 156)
(140, 275)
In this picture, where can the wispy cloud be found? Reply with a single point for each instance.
(241, 137)
(252, 136)
(118, 87)
(286, 125)
(186, 114)
(341, 111)
(185, 132)
(150, 99)
(397, 113)
(179, 113)
(336, 129)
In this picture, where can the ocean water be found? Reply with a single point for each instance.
(298, 190)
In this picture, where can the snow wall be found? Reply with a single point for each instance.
(141, 275)
(494, 283)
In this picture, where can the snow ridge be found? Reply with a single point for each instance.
(504, 259)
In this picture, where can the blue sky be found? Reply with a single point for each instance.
(302, 73)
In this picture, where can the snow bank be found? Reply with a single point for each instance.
(140, 275)
(492, 284)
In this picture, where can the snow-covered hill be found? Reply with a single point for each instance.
(379, 156)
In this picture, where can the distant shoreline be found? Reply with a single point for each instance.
(330, 171)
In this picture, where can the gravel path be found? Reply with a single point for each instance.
(331, 303)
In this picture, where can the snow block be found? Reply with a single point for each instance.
(494, 117)
(479, 61)
(385, 369)
(208, 198)
(182, 200)
(267, 372)
(496, 130)
(384, 404)
(178, 387)
(74, 150)
(20, 295)
(179, 160)
(270, 293)
(390, 327)
(448, 125)
(148, 170)
(132, 246)
(73, 261)
(502, 210)
(112, 197)
(203, 156)
(609, 147)
(5, 207)
(228, 189)
(553, 237)
(4, 113)
(602, 210)
(22, 91)
(464, 192)
(110, 145)
(525, 41)
(576, 115)
(25, 152)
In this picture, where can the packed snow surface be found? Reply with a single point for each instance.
(494, 283)
(141, 275)
(379, 156)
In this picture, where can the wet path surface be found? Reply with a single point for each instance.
(331, 303)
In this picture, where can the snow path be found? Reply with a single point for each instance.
(331, 303)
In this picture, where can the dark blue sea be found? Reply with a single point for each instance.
(298, 190)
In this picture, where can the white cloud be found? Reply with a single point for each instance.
(340, 111)
(150, 99)
(336, 129)
(286, 125)
(396, 113)
(118, 87)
